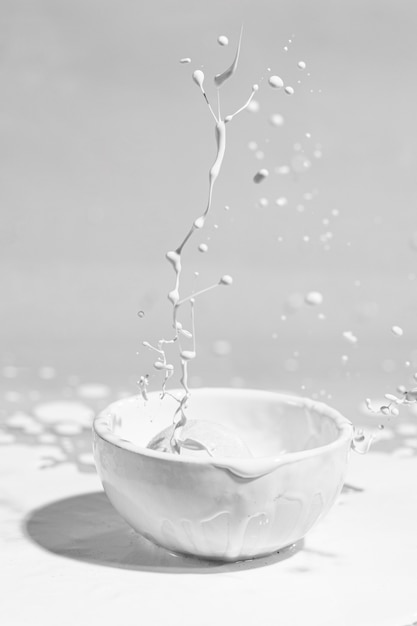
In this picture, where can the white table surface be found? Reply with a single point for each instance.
(68, 558)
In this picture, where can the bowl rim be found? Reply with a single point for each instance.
(346, 430)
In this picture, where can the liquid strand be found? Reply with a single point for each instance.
(174, 258)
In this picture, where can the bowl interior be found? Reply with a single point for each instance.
(269, 423)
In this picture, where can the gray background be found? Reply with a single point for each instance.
(105, 148)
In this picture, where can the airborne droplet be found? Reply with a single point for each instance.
(226, 280)
(349, 336)
(397, 331)
(198, 78)
(276, 120)
(276, 82)
(260, 176)
(253, 106)
(281, 201)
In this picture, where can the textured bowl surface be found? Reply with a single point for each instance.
(224, 508)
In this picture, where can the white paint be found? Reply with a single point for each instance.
(276, 82)
(397, 331)
(219, 79)
(281, 201)
(313, 298)
(198, 78)
(226, 279)
(253, 106)
(276, 119)
(260, 175)
(349, 336)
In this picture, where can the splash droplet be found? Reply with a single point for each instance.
(289, 90)
(349, 336)
(226, 280)
(276, 120)
(185, 60)
(301, 65)
(260, 176)
(198, 78)
(222, 40)
(313, 298)
(141, 313)
(203, 247)
(397, 331)
(281, 201)
(362, 441)
(276, 82)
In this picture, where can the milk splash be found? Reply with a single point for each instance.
(174, 259)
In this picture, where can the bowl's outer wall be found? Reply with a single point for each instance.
(203, 510)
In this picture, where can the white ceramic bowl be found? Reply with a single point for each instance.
(223, 508)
